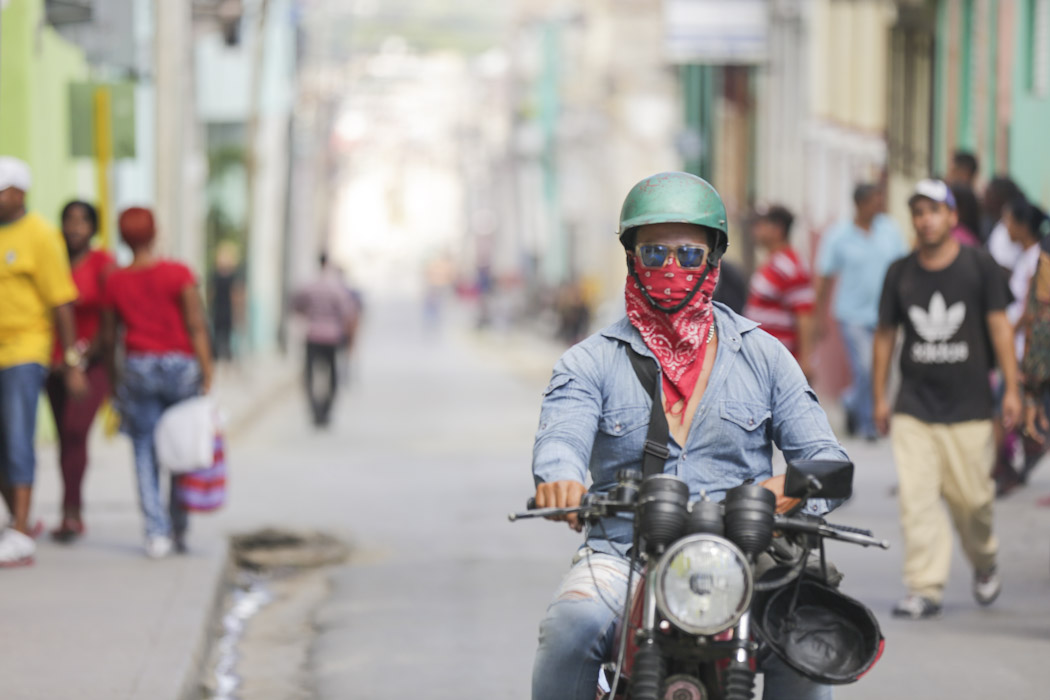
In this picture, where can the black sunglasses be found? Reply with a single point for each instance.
(689, 257)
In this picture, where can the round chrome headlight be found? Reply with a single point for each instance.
(703, 584)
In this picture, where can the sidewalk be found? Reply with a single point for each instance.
(98, 620)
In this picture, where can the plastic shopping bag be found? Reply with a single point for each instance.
(204, 490)
(185, 435)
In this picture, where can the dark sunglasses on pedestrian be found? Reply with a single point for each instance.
(654, 255)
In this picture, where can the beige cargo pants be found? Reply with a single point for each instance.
(952, 461)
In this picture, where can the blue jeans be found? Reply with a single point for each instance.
(858, 398)
(578, 632)
(152, 383)
(20, 388)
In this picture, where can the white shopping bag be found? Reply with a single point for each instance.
(185, 435)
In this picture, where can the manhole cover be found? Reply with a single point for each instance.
(276, 549)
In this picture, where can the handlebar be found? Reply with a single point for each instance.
(593, 505)
(601, 505)
(843, 533)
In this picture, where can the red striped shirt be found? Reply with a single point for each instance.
(780, 290)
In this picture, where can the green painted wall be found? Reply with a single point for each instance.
(36, 68)
(1029, 164)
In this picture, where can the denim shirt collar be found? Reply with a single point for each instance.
(730, 325)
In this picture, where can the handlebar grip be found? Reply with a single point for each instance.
(530, 504)
(854, 530)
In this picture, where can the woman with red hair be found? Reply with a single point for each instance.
(167, 359)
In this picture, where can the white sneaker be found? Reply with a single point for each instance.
(16, 548)
(158, 546)
(986, 586)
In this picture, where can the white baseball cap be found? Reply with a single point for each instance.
(14, 173)
(936, 190)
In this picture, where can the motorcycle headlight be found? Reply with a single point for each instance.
(703, 584)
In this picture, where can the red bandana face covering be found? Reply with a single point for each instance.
(679, 339)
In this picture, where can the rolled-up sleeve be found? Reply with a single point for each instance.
(572, 404)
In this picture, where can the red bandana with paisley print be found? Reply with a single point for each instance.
(679, 339)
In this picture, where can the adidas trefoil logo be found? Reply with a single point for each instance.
(940, 322)
(936, 325)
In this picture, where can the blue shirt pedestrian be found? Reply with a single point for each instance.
(859, 259)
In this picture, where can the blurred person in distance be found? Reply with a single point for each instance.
(997, 194)
(952, 308)
(73, 418)
(574, 314)
(167, 359)
(855, 254)
(226, 297)
(1035, 365)
(36, 302)
(963, 170)
(330, 316)
(1026, 224)
(731, 289)
(782, 297)
(969, 216)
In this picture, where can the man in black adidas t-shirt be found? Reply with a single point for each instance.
(950, 300)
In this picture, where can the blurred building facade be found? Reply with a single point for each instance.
(595, 109)
(36, 67)
(201, 87)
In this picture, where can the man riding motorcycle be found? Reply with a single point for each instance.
(730, 392)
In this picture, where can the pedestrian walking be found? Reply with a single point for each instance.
(999, 192)
(782, 297)
(951, 303)
(1025, 222)
(855, 255)
(73, 418)
(969, 215)
(732, 288)
(167, 360)
(963, 170)
(36, 302)
(330, 315)
(1035, 365)
(226, 300)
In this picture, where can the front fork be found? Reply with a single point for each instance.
(650, 670)
(739, 678)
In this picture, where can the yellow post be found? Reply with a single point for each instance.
(103, 156)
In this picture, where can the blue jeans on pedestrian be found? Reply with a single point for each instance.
(858, 399)
(20, 388)
(577, 636)
(151, 384)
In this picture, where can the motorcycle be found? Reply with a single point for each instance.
(722, 585)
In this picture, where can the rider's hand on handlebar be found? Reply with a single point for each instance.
(776, 485)
(561, 494)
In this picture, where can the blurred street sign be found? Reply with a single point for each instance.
(716, 31)
(83, 107)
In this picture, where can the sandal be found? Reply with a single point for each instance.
(69, 530)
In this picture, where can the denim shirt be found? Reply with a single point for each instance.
(595, 415)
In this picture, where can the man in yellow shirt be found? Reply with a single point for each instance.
(36, 294)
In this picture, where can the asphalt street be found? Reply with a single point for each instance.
(428, 452)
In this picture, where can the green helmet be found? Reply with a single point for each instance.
(674, 198)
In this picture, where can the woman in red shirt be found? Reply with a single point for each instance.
(167, 359)
(73, 417)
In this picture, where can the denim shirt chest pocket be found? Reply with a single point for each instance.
(619, 442)
(746, 422)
